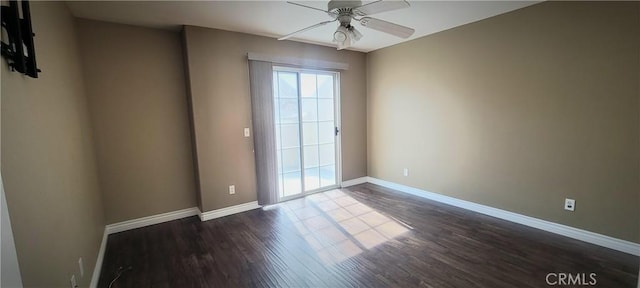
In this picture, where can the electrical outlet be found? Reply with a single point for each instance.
(232, 189)
(81, 267)
(569, 204)
(74, 284)
(247, 132)
(405, 172)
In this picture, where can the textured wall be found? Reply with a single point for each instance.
(518, 112)
(221, 103)
(48, 162)
(138, 102)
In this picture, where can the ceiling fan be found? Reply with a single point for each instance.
(345, 11)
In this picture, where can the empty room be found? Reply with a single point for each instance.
(382, 143)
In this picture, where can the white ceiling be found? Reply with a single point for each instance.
(278, 18)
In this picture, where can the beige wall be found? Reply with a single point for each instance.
(137, 95)
(48, 162)
(518, 112)
(219, 82)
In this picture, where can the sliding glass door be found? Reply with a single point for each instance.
(306, 113)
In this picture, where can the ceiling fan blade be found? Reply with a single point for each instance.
(380, 6)
(305, 29)
(314, 8)
(387, 27)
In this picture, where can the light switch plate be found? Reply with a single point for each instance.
(247, 132)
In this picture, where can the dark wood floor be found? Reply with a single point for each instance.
(362, 236)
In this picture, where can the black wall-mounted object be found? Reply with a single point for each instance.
(17, 38)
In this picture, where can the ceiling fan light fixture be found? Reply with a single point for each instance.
(340, 35)
(344, 44)
(355, 34)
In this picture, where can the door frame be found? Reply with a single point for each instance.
(337, 125)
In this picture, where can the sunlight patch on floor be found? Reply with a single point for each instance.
(337, 226)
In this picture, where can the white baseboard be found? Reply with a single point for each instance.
(98, 268)
(354, 182)
(151, 220)
(568, 231)
(213, 214)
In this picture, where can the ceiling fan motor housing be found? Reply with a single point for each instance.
(344, 10)
(337, 5)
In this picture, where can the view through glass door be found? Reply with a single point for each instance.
(306, 117)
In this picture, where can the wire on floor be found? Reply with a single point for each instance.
(119, 273)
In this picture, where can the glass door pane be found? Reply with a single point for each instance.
(305, 130)
(285, 86)
(318, 129)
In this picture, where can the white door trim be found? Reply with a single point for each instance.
(10, 268)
